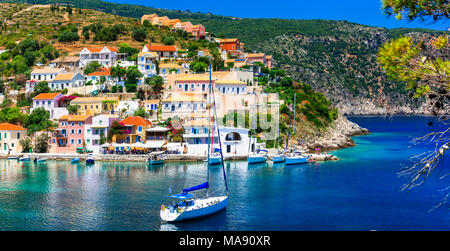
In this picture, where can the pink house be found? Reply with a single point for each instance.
(198, 31)
(186, 26)
(70, 133)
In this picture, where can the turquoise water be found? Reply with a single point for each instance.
(359, 192)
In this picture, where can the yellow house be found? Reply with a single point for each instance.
(95, 105)
(10, 135)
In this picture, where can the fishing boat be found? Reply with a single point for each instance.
(187, 207)
(75, 160)
(27, 158)
(156, 158)
(90, 160)
(40, 160)
(259, 157)
(13, 158)
(295, 157)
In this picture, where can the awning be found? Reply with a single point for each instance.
(155, 144)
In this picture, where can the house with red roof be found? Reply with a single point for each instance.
(50, 102)
(198, 31)
(10, 136)
(135, 128)
(96, 76)
(106, 56)
(70, 133)
(163, 51)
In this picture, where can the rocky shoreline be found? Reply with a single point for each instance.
(337, 136)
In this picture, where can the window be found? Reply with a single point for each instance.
(49, 102)
(53, 141)
(180, 86)
(72, 141)
(80, 123)
(18, 135)
(192, 86)
(72, 131)
(79, 131)
(79, 141)
(72, 124)
(88, 141)
(12, 144)
(100, 122)
(88, 131)
(5, 135)
(37, 102)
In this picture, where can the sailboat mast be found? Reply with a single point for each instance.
(209, 127)
(218, 136)
(293, 132)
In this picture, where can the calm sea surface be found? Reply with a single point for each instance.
(359, 192)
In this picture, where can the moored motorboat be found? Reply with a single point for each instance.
(296, 158)
(259, 157)
(156, 158)
(25, 158)
(40, 160)
(75, 160)
(90, 160)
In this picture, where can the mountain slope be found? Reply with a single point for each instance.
(337, 58)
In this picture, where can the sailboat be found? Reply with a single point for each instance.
(295, 157)
(256, 156)
(188, 207)
(280, 157)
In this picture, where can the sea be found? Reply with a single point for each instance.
(361, 191)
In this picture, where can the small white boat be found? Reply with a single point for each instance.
(75, 160)
(296, 158)
(215, 158)
(279, 158)
(25, 159)
(40, 160)
(259, 157)
(12, 157)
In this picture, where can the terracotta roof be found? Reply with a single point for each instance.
(162, 48)
(171, 66)
(64, 76)
(94, 99)
(269, 56)
(112, 49)
(136, 120)
(230, 82)
(74, 118)
(102, 72)
(47, 70)
(229, 40)
(197, 122)
(98, 49)
(11, 127)
(151, 101)
(46, 96)
(186, 97)
(255, 55)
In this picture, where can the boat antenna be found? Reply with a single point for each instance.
(218, 133)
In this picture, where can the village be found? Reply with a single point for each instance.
(98, 114)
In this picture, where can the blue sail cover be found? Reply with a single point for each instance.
(199, 187)
(217, 150)
(182, 196)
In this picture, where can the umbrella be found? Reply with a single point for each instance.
(317, 149)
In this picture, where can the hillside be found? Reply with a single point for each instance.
(337, 58)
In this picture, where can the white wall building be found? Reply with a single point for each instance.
(106, 56)
(46, 74)
(66, 81)
(127, 107)
(92, 133)
(182, 105)
(231, 86)
(48, 101)
(147, 63)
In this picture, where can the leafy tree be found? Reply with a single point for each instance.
(168, 40)
(73, 109)
(132, 75)
(42, 143)
(12, 115)
(92, 67)
(425, 68)
(198, 66)
(156, 82)
(139, 34)
(27, 145)
(141, 112)
(38, 120)
(41, 87)
(118, 72)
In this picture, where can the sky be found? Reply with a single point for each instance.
(366, 12)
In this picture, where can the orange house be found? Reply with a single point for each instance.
(231, 45)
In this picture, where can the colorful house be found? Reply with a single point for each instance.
(231, 45)
(183, 104)
(45, 74)
(163, 51)
(106, 56)
(70, 134)
(95, 77)
(198, 31)
(66, 80)
(49, 101)
(97, 131)
(168, 68)
(96, 105)
(230, 86)
(10, 136)
(135, 130)
(192, 83)
(147, 63)
(186, 26)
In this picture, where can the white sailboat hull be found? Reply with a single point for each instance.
(201, 208)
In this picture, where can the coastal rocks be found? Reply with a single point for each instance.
(337, 136)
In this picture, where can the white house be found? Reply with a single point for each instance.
(10, 136)
(147, 63)
(182, 105)
(163, 51)
(106, 56)
(127, 107)
(49, 101)
(231, 86)
(45, 74)
(67, 80)
(235, 141)
(92, 133)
